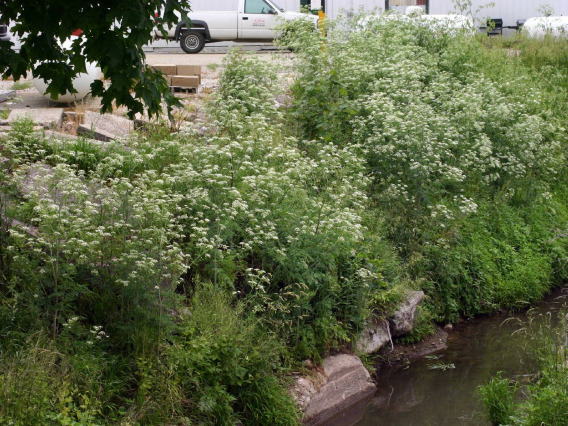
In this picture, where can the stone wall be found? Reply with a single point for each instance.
(342, 380)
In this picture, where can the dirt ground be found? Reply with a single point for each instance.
(28, 97)
(401, 355)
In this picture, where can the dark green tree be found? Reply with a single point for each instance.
(114, 32)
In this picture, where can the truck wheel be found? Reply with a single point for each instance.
(192, 42)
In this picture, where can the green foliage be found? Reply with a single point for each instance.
(281, 228)
(110, 238)
(21, 85)
(23, 145)
(113, 36)
(464, 154)
(297, 34)
(499, 258)
(401, 156)
(545, 400)
(41, 385)
(498, 397)
(224, 365)
(246, 86)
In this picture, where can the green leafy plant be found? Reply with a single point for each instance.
(426, 111)
(498, 397)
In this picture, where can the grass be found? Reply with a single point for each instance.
(498, 397)
(21, 85)
(213, 67)
(544, 401)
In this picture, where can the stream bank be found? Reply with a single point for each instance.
(440, 389)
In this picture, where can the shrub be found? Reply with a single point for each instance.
(282, 229)
(41, 385)
(449, 144)
(547, 401)
(224, 366)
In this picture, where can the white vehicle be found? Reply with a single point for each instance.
(510, 11)
(250, 20)
(556, 26)
(452, 24)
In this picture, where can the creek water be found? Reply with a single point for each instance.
(441, 390)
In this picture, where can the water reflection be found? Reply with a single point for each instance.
(431, 392)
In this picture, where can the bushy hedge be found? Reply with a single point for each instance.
(111, 242)
(466, 160)
(177, 277)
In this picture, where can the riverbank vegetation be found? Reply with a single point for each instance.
(544, 400)
(181, 277)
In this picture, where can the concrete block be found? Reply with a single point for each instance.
(105, 127)
(402, 320)
(342, 382)
(167, 68)
(185, 81)
(67, 138)
(374, 337)
(188, 70)
(7, 94)
(48, 118)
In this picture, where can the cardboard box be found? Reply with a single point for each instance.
(167, 69)
(189, 70)
(185, 81)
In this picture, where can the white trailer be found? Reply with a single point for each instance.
(510, 11)
(333, 8)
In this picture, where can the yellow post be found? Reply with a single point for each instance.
(321, 17)
(321, 25)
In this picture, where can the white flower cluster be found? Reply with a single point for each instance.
(98, 332)
(429, 132)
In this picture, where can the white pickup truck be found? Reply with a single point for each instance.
(250, 20)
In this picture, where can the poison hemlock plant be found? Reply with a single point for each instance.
(188, 272)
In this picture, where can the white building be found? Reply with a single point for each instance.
(509, 10)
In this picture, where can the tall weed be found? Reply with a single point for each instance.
(455, 148)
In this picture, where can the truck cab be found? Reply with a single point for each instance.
(257, 19)
(245, 20)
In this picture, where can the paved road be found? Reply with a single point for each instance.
(163, 52)
(163, 46)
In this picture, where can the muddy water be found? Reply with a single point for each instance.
(442, 391)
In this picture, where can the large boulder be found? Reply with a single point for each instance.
(341, 382)
(374, 337)
(105, 127)
(402, 320)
